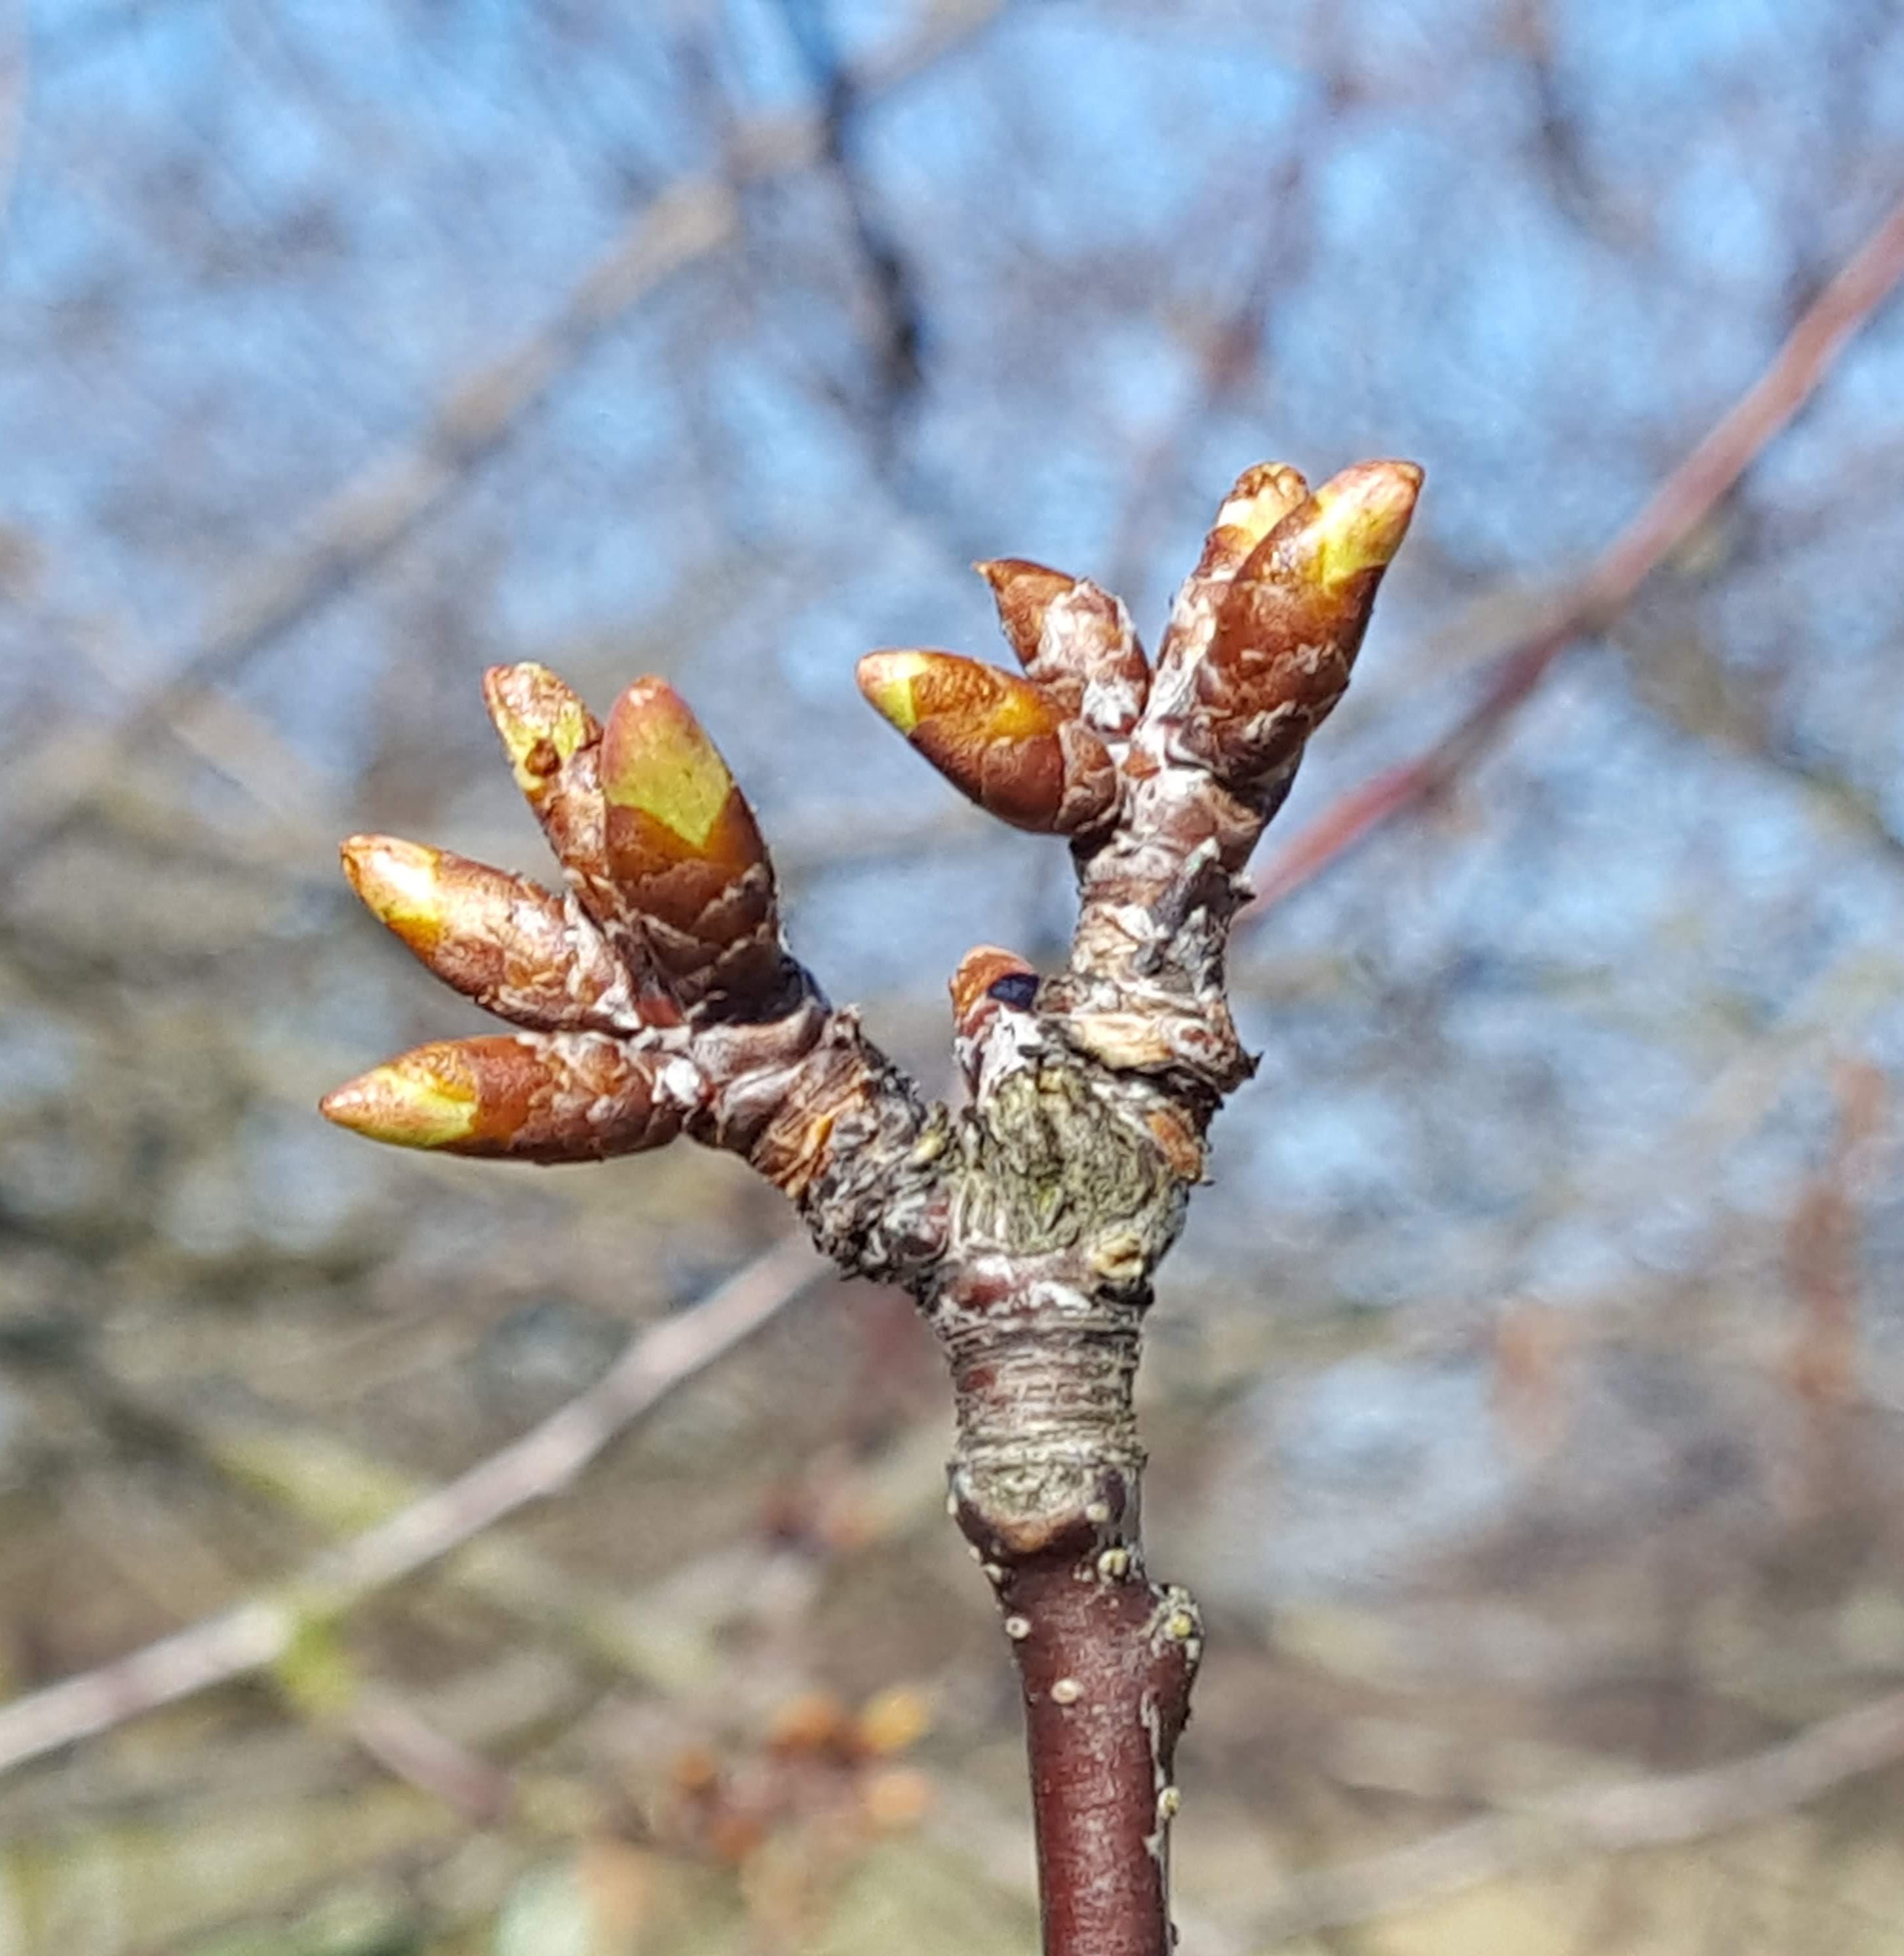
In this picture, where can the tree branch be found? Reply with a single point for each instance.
(657, 998)
(258, 1633)
(1659, 1812)
(1676, 509)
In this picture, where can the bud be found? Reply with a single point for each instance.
(893, 1720)
(1258, 499)
(1350, 529)
(1024, 593)
(1010, 745)
(519, 950)
(897, 1798)
(989, 984)
(553, 742)
(683, 849)
(543, 723)
(1290, 624)
(1074, 639)
(813, 1722)
(987, 977)
(533, 1097)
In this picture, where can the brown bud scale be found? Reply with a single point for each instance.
(1075, 639)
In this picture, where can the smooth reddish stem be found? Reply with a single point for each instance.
(1107, 1690)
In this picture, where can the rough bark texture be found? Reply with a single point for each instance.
(658, 998)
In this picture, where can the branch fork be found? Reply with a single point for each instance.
(656, 998)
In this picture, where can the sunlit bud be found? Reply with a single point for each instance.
(1350, 529)
(893, 1720)
(1023, 592)
(519, 950)
(1072, 638)
(1259, 500)
(552, 741)
(533, 1097)
(814, 1721)
(1010, 745)
(1292, 622)
(542, 723)
(897, 1798)
(683, 848)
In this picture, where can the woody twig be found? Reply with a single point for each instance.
(656, 999)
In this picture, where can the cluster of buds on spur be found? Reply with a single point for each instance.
(670, 927)
(655, 996)
(1262, 641)
(655, 999)
(1264, 632)
(1162, 780)
(1038, 752)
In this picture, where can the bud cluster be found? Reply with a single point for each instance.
(655, 999)
(670, 926)
(655, 996)
(1263, 636)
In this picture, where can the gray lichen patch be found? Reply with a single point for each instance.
(1058, 1158)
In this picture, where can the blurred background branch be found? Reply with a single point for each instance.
(1526, 1394)
(1686, 499)
(1615, 1819)
(259, 1633)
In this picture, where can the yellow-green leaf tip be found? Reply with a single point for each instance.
(542, 723)
(410, 1102)
(657, 758)
(1360, 518)
(886, 678)
(398, 883)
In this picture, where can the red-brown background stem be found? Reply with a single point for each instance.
(1680, 504)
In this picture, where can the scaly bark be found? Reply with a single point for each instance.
(658, 998)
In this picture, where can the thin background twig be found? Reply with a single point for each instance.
(255, 1634)
(1677, 508)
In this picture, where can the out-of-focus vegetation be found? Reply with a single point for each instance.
(1527, 1396)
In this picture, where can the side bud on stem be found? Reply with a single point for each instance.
(994, 993)
(536, 1097)
(551, 740)
(1073, 638)
(515, 949)
(1013, 747)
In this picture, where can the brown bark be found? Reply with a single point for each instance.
(1046, 1487)
(1028, 1225)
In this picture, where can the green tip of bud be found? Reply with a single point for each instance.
(417, 1101)
(398, 883)
(886, 678)
(1360, 518)
(656, 758)
(542, 723)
